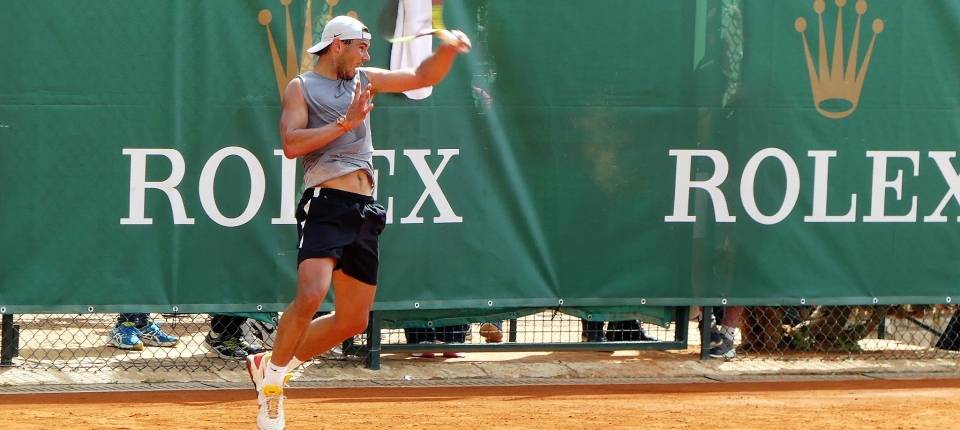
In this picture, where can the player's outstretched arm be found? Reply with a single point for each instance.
(430, 72)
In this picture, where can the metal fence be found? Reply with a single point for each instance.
(93, 342)
(879, 331)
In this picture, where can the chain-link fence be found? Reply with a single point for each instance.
(213, 342)
(546, 330)
(879, 331)
(185, 342)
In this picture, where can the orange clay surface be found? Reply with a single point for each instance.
(861, 404)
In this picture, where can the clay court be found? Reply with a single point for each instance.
(880, 404)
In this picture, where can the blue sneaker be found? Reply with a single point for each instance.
(152, 335)
(126, 336)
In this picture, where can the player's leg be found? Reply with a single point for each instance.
(325, 223)
(352, 303)
(355, 284)
(313, 281)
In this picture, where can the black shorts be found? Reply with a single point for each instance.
(342, 225)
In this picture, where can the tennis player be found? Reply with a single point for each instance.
(324, 121)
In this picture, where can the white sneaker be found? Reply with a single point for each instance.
(335, 353)
(270, 416)
(256, 366)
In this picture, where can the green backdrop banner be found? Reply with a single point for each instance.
(621, 152)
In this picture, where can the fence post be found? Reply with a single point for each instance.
(705, 318)
(682, 325)
(513, 331)
(373, 341)
(9, 340)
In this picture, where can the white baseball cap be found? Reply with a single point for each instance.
(342, 27)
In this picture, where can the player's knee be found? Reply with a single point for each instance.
(309, 300)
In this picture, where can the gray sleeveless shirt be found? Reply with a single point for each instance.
(327, 100)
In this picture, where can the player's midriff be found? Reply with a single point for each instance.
(357, 181)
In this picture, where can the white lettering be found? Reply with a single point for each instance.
(942, 158)
(683, 185)
(257, 186)
(430, 185)
(288, 189)
(881, 184)
(749, 177)
(429, 177)
(390, 155)
(139, 184)
(821, 168)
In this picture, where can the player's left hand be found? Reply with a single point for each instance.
(457, 39)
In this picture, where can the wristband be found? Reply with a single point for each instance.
(342, 123)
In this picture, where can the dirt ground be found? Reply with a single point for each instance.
(862, 404)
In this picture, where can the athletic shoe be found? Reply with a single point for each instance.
(716, 338)
(422, 354)
(491, 333)
(125, 335)
(452, 355)
(644, 337)
(270, 416)
(230, 348)
(593, 336)
(257, 366)
(152, 335)
(335, 353)
(627, 331)
(258, 332)
(725, 350)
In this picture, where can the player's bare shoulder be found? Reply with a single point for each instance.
(293, 94)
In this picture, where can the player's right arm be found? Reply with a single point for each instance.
(298, 140)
